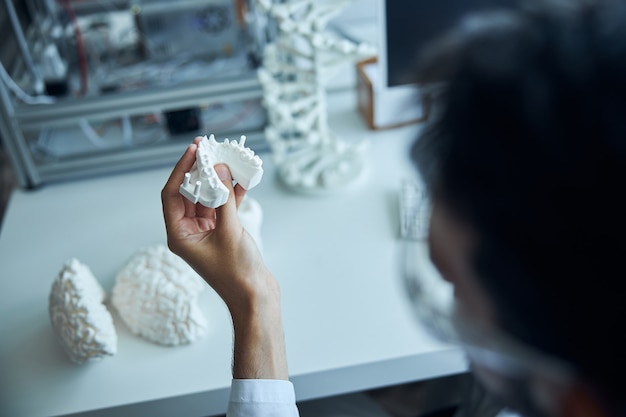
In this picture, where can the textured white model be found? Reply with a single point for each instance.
(202, 185)
(82, 323)
(156, 296)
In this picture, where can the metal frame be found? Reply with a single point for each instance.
(18, 120)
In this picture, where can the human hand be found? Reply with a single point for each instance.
(211, 240)
(216, 246)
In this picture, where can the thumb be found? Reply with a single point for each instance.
(226, 215)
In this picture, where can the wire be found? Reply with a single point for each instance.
(80, 46)
(21, 41)
(21, 94)
(130, 135)
(127, 130)
(222, 125)
(92, 135)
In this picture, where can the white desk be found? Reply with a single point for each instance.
(347, 322)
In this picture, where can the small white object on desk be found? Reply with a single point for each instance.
(202, 185)
(156, 295)
(80, 320)
(414, 211)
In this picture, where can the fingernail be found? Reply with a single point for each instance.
(222, 172)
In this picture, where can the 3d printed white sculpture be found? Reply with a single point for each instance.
(82, 323)
(309, 156)
(202, 183)
(156, 296)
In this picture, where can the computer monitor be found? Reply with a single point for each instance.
(406, 27)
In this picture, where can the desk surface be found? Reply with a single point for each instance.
(347, 323)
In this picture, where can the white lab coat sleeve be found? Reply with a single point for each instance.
(262, 398)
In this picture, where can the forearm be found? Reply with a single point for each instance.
(216, 245)
(259, 351)
(252, 296)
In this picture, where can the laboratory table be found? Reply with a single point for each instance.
(348, 324)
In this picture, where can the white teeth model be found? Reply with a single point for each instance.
(202, 183)
(82, 323)
(156, 296)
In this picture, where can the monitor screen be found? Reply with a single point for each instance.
(409, 25)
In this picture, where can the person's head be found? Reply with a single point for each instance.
(526, 166)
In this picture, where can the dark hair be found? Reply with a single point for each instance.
(529, 147)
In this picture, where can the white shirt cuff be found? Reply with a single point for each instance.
(262, 397)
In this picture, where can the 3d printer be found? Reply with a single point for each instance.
(95, 86)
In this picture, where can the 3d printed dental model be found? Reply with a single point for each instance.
(202, 183)
(156, 296)
(79, 318)
(309, 156)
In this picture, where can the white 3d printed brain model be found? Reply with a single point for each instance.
(202, 185)
(156, 296)
(79, 318)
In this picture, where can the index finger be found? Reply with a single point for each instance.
(173, 203)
